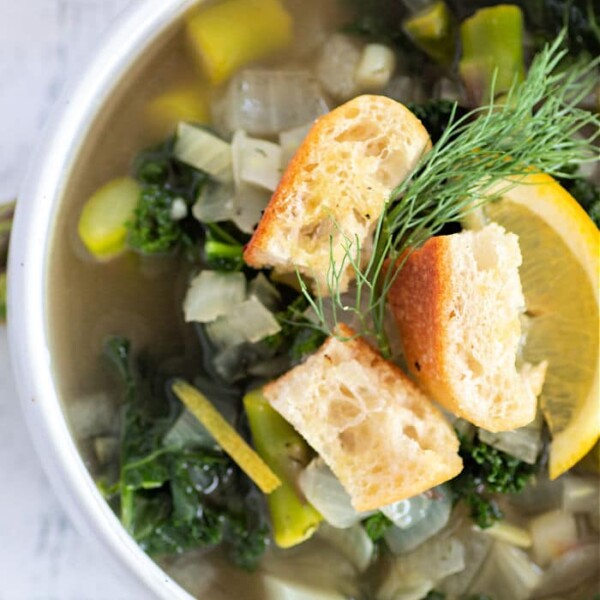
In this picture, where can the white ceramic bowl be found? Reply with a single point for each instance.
(28, 287)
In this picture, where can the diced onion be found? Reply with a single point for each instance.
(212, 294)
(249, 205)
(253, 320)
(524, 443)
(419, 571)
(417, 519)
(324, 491)
(223, 334)
(353, 542)
(266, 101)
(375, 68)
(553, 533)
(215, 203)
(508, 574)
(203, 150)
(261, 163)
(265, 292)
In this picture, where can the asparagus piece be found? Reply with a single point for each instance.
(285, 451)
(492, 44)
(432, 29)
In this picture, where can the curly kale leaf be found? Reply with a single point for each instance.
(177, 497)
(487, 471)
(377, 525)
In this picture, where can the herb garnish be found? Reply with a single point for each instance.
(537, 127)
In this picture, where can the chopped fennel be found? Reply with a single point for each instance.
(353, 542)
(249, 203)
(337, 66)
(324, 491)
(212, 294)
(204, 151)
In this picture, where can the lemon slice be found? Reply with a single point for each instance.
(559, 244)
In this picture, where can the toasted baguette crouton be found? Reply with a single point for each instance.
(380, 435)
(457, 302)
(336, 185)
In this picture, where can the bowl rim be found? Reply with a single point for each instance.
(46, 178)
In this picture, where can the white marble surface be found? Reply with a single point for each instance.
(42, 557)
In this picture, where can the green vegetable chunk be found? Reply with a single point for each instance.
(487, 471)
(177, 497)
(492, 42)
(281, 447)
(377, 525)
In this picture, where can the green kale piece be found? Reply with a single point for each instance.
(486, 471)
(546, 19)
(153, 230)
(222, 250)
(175, 498)
(164, 180)
(376, 526)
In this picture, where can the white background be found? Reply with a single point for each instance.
(42, 44)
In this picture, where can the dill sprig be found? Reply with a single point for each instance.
(536, 126)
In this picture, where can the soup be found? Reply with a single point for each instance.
(164, 295)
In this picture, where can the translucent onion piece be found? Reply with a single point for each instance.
(264, 102)
(188, 432)
(422, 569)
(212, 294)
(215, 203)
(253, 320)
(324, 491)
(249, 204)
(426, 515)
(290, 141)
(265, 291)
(353, 542)
(508, 574)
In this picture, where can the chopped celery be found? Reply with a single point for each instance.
(212, 294)
(185, 103)
(225, 36)
(227, 437)
(432, 30)
(285, 451)
(492, 43)
(204, 151)
(102, 223)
